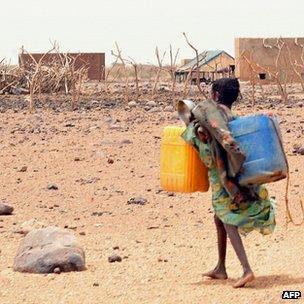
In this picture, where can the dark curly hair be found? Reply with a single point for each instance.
(228, 90)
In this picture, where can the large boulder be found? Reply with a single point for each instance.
(49, 250)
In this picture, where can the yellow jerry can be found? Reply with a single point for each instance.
(181, 169)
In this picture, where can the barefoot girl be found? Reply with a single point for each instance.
(237, 209)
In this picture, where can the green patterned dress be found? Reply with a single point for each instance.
(247, 216)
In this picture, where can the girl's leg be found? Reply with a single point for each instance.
(219, 272)
(238, 247)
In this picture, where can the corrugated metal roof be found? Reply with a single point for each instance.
(203, 58)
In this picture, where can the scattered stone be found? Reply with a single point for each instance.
(154, 110)
(77, 159)
(100, 213)
(152, 227)
(163, 89)
(116, 247)
(168, 109)
(49, 250)
(115, 127)
(132, 104)
(151, 103)
(114, 258)
(88, 181)
(23, 169)
(97, 213)
(82, 233)
(95, 284)
(6, 209)
(52, 186)
(126, 141)
(57, 270)
(171, 194)
(298, 149)
(301, 151)
(110, 160)
(137, 201)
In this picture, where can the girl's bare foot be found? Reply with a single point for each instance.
(246, 278)
(217, 273)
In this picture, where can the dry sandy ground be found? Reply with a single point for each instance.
(72, 150)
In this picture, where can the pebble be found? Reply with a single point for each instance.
(52, 186)
(57, 270)
(151, 103)
(6, 209)
(114, 258)
(132, 104)
(23, 169)
(168, 109)
(154, 110)
(137, 201)
(126, 141)
(301, 151)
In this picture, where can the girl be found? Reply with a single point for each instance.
(237, 209)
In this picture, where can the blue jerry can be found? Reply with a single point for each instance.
(260, 138)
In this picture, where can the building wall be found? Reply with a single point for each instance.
(219, 63)
(265, 60)
(95, 62)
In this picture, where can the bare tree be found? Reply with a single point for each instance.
(123, 62)
(197, 66)
(159, 69)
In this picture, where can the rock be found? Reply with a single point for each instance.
(110, 160)
(23, 169)
(170, 193)
(151, 103)
(49, 250)
(114, 258)
(115, 127)
(6, 209)
(168, 109)
(52, 186)
(137, 201)
(163, 89)
(301, 151)
(57, 270)
(116, 247)
(69, 125)
(132, 104)
(126, 142)
(154, 110)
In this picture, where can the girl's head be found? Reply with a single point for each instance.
(225, 91)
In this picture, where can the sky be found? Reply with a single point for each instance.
(138, 26)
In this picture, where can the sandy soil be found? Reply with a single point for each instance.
(165, 244)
